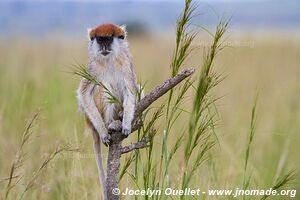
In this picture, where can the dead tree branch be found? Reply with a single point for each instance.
(161, 90)
(138, 145)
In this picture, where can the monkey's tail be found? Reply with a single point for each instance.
(98, 156)
(97, 148)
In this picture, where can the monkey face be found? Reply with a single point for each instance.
(105, 44)
(106, 40)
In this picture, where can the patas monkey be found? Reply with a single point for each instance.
(110, 63)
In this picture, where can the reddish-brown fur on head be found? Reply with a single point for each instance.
(107, 30)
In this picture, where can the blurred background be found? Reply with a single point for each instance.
(41, 40)
(67, 17)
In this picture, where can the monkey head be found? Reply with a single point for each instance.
(106, 41)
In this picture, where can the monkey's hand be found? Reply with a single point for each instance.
(105, 138)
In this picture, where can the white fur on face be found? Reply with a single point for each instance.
(118, 46)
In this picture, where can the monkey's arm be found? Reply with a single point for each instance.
(129, 103)
(86, 101)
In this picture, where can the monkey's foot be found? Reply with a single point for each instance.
(115, 126)
(105, 138)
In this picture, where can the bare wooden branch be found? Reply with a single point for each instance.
(138, 145)
(113, 166)
(115, 148)
(161, 90)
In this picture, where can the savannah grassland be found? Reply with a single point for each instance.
(34, 78)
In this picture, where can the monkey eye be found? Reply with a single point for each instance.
(121, 37)
(92, 38)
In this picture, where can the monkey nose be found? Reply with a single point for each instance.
(105, 53)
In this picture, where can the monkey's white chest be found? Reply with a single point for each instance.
(113, 80)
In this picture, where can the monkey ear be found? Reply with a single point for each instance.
(89, 30)
(123, 27)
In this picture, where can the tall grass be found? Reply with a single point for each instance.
(17, 180)
(250, 141)
(283, 181)
(14, 179)
(199, 140)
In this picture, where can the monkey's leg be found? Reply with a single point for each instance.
(98, 156)
(86, 99)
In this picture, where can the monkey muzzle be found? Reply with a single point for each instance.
(105, 43)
